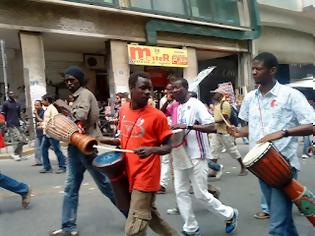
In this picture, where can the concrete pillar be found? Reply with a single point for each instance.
(191, 71)
(33, 68)
(119, 70)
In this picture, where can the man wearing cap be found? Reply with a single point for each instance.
(221, 139)
(84, 112)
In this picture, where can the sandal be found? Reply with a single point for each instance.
(261, 215)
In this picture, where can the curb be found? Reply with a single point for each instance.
(26, 151)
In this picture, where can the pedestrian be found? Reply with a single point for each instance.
(12, 112)
(84, 111)
(276, 113)
(38, 117)
(221, 139)
(165, 101)
(47, 142)
(17, 187)
(143, 129)
(195, 118)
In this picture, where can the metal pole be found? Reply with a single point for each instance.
(4, 69)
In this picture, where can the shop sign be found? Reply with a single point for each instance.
(157, 56)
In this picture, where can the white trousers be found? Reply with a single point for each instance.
(197, 177)
(165, 170)
(219, 141)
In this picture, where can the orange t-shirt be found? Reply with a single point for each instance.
(148, 127)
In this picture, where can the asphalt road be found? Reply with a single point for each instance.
(98, 217)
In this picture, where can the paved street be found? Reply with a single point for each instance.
(97, 216)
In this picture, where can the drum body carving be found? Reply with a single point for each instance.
(63, 129)
(269, 165)
(112, 165)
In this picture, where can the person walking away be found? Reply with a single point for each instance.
(85, 112)
(12, 112)
(276, 113)
(143, 129)
(38, 116)
(221, 139)
(195, 118)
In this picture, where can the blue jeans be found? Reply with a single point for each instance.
(280, 207)
(263, 204)
(13, 185)
(214, 166)
(46, 143)
(38, 153)
(77, 164)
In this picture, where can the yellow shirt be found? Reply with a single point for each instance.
(226, 110)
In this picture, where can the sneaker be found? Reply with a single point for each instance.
(60, 232)
(223, 150)
(305, 156)
(196, 233)
(60, 171)
(162, 190)
(173, 211)
(37, 164)
(261, 215)
(26, 199)
(44, 171)
(16, 157)
(231, 225)
(220, 172)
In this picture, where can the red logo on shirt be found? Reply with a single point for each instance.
(273, 103)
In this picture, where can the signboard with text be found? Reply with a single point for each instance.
(157, 56)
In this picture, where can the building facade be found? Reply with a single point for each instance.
(43, 37)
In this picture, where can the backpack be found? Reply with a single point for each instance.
(234, 115)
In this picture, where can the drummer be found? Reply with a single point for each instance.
(275, 112)
(84, 111)
(143, 129)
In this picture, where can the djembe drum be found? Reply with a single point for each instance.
(63, 129)
(113, 166)
(268, 164)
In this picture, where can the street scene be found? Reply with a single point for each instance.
(171, 118)
(98, 217)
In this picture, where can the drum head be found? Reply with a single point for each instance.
(107, 159)
(256, 153)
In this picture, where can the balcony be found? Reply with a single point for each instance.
(225, 12)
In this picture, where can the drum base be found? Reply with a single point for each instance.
(303, 199)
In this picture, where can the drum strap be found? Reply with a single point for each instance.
(128, 138)
(260, 114)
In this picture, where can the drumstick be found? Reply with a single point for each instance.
(112, 149)
(225, 121)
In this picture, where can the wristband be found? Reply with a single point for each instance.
(285, 133)
(190, 127)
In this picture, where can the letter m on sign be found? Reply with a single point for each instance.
(138, 53)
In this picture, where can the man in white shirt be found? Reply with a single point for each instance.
(194, 117)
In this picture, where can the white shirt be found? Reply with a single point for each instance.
(50, 112)
(190, 113)
(281, 108)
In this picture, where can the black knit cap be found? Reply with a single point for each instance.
(76, 72)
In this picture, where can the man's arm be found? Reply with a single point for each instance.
(164, 149)
(301, 130)
(109, 141)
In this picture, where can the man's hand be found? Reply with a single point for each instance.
(179, 126)
(144, 152)
(233, 131)
(270, 137)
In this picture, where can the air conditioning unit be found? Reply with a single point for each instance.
(94, 61)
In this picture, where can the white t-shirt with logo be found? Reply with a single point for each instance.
(190, 113)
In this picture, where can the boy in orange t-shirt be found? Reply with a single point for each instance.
(144, 130)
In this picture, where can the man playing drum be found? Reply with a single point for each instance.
(195, 118)
(84, 111)
(144, 130)
(275, 112)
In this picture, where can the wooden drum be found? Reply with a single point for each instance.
(63, 129)
(268, 164)
(112, 165)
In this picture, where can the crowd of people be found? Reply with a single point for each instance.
(271, 112)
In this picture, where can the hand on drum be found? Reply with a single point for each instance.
(144, 152)
(270, 137)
